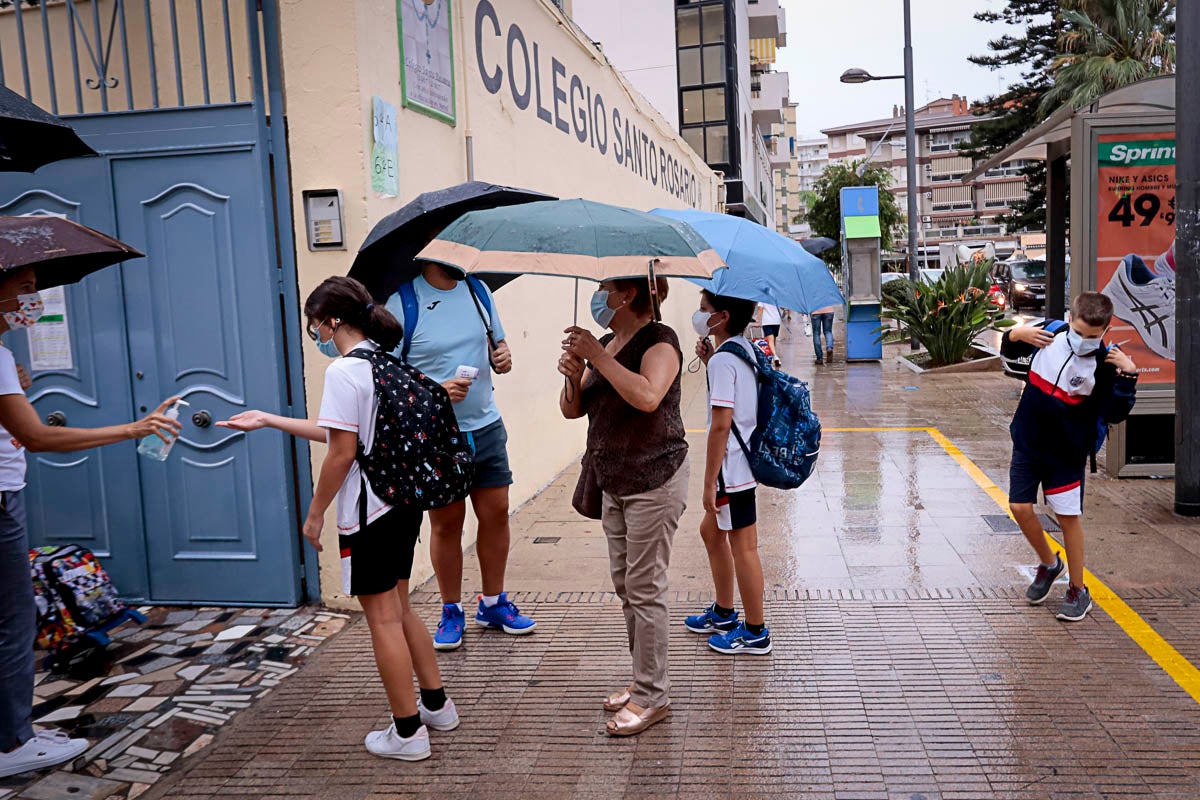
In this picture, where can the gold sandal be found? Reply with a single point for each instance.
(618, 700)
(628, 722)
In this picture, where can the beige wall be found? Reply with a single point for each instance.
(337, 55)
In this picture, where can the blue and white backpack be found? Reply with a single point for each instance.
(783, 450)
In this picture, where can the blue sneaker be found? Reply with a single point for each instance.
(741, 640)
(709, 621)
(450, 629)
(504, 615)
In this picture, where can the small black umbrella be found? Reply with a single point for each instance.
(31, 138)
(385, 259)
(59, 251)
(818, 244)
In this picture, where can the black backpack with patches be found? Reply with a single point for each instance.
(419, 458)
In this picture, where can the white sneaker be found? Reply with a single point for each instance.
(1165, 263)
(45, 749)
(389, 744)
(444, 719)
(1146, 301)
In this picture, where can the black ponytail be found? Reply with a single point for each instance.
(346, 299)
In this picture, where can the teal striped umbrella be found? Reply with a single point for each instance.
(573, 239)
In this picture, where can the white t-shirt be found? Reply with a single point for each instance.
(349, 404)
(732, 383)
(770, 314)
(12, 454)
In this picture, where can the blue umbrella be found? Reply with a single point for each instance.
(764, 266)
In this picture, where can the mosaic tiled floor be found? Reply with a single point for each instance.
(175, 681)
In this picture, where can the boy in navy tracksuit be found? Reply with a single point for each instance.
(1075, 382)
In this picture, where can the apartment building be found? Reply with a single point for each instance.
(793, 184)
(708, 65)
(948, 209)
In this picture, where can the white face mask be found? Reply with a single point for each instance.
(29, 310)
(700, 322)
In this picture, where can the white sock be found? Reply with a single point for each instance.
(1052, 564)
(458, 606)
(490, 600)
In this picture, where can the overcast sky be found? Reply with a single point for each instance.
(825, 37)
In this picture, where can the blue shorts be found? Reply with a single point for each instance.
(490, 445)
(1061, 481)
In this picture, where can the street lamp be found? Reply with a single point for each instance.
(857, 75)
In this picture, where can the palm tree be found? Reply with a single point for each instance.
(1106, 44)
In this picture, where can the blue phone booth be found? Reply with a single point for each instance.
(861, 273)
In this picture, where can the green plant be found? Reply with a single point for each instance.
(824, 212)
(945, 316)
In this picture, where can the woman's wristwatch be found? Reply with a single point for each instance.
(1125, 374)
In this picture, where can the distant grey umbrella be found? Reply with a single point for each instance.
(386, 258)
(31, 138)
(59, 251)
(818, 244)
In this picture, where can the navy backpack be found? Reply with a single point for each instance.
(783, 450)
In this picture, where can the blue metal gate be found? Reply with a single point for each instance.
(191, 184)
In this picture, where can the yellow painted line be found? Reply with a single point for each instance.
(1182, 671)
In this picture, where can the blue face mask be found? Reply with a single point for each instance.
(1081, 346)
(327, 348)
(600, 310)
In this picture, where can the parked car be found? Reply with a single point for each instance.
(1023, 283)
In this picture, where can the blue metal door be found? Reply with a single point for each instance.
(203, 314)
(93, 497)
(188, 174)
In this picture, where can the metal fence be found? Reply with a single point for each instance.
(104, 56)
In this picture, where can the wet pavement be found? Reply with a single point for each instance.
(906, 663)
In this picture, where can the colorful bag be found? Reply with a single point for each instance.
(73, 594)
(787, 439)
(419, 457)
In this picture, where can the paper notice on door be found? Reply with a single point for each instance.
(50, 337)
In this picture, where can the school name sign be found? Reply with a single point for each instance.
(540, 83)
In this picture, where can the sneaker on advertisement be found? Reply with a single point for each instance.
(710, 622)
(45, 749)
(1165, 263)
(1039, 590)
(444, 719)
(1075, 605)
(389, 744)
(449, 633)
(504, 615)
(741, 640)
(1146, 301)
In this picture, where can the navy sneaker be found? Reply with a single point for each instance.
(741, 640)
(504, 615)
(709, 621)
(450, 630)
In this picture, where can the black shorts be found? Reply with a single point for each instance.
(377, 557)
(736, 511)
(1060, 479)
(771, 330)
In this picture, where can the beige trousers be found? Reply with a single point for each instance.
(640, 529)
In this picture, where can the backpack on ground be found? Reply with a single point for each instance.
(76, 603)
(787, 439)
(411, 311)
(419, 458)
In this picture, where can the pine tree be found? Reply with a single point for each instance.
(1018, 109)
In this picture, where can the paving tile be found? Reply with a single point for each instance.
(61, 785)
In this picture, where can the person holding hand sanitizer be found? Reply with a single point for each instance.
(21, 748)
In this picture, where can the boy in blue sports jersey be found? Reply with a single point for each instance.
(1075, 385)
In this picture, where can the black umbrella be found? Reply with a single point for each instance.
(59, 250)
(385, 259)
(31, 138)
(818, 244)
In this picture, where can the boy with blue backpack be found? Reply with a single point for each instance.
(767, 435)
(1075, 386)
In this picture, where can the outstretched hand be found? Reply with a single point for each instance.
(157, 423)
(246, 421)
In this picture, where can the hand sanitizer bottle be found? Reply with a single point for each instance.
(154, 447)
